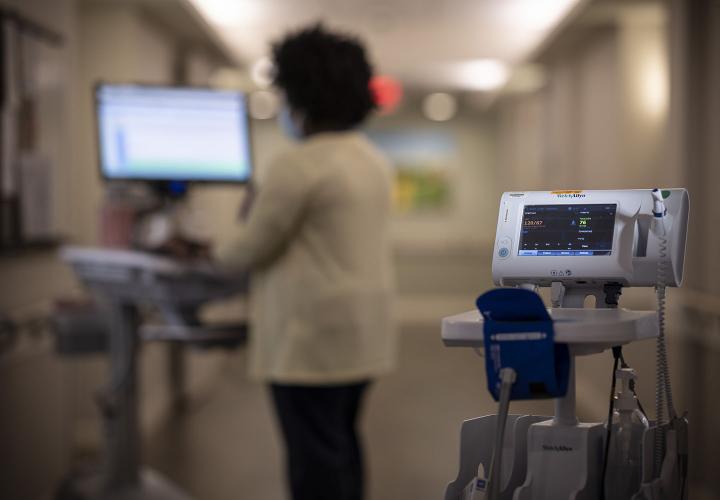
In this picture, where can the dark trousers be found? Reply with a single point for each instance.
(324, 453)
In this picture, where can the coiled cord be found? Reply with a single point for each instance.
(663, 389)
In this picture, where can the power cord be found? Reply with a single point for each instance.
(617, 355)
(684, 472)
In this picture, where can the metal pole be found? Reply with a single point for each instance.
(565, 407)
(120, 408)
(177, 371)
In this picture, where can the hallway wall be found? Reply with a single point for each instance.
(631, 101)
(600, 121)
(48, 416)
(695, 74)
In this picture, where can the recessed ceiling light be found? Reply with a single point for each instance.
(480, 74)
(536, 15)
(439, 107)
(230, 12)
(261, 72)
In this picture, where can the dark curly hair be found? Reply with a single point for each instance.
(325, 76)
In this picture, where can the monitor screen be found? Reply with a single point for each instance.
(567, 230)
(173, 134)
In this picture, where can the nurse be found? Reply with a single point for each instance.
(317, 243)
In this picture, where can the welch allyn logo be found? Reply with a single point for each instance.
(570, 195)
(548, 447)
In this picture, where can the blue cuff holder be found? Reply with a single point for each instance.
(518, 333)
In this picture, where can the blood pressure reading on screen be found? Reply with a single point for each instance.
(567, 230)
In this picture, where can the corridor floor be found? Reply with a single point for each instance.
(226, 445)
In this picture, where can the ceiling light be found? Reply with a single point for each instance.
(230, 12)
(480, 74)
(539, 15)
(439, 107)
(261, 72)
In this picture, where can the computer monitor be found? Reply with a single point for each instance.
(184, 134)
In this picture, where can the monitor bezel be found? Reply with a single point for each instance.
(98, 148)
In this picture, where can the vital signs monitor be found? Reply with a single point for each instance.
(583, 238)
(172, 133)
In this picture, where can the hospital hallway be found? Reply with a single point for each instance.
(537, 179)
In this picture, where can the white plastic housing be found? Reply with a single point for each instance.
(633, 260)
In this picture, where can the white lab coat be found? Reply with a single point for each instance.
(317, 243)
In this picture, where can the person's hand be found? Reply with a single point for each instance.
(185, 249)
(248, 200)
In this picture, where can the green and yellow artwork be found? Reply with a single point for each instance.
(420, 189)
(421, 159)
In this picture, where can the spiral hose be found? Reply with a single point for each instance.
(663, 389)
